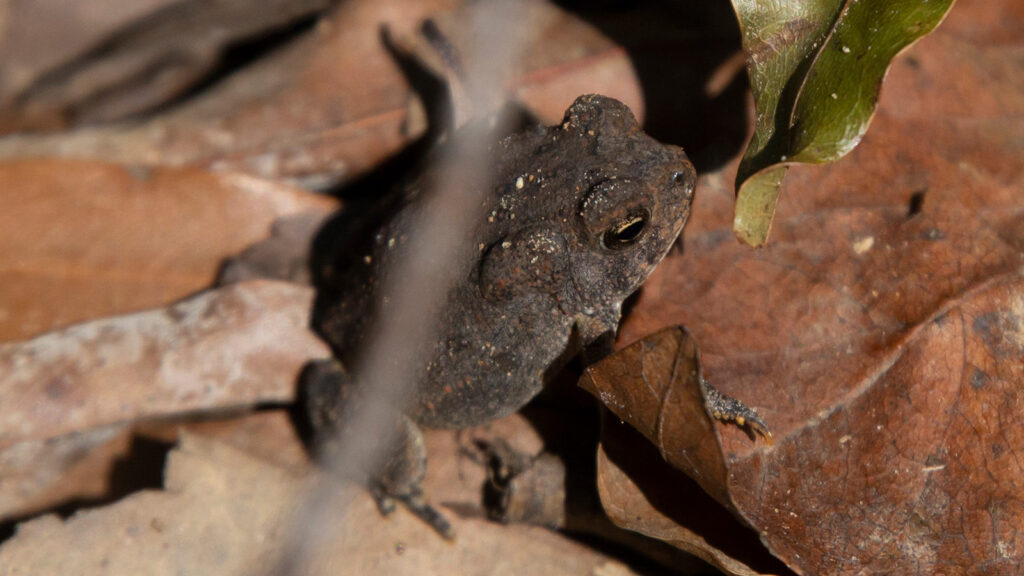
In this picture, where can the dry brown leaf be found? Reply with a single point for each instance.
(654, 386)
(881, 334)
(269, 435)
(236, 346)
(328, 105)
(97, 466)
(335, 103)
(103, 60)
(642, 493)
(39, 475)
(224, 512)
(82, 240)
(562, 56)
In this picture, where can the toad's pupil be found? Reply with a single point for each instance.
(631, 230)
(678, 178)
(625, 233)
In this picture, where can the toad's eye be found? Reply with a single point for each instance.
(625, 232)
(679, 178)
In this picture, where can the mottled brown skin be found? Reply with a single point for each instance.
(578, 217)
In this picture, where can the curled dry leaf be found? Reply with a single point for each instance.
(881, 332)
(82, 240)
(816, 68)
(655, 386)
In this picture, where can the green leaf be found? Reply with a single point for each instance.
(816, 68)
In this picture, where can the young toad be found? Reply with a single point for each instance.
(578, 217)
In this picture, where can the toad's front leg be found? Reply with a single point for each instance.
(328, 393)
(728, 409)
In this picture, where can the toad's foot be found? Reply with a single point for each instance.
(418, 505)
(728, 409)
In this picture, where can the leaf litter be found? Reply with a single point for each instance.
(878, 335)
(864, 313)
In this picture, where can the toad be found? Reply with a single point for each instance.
(579, 215)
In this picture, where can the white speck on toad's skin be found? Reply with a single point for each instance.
(519, 183)
(863, 245)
